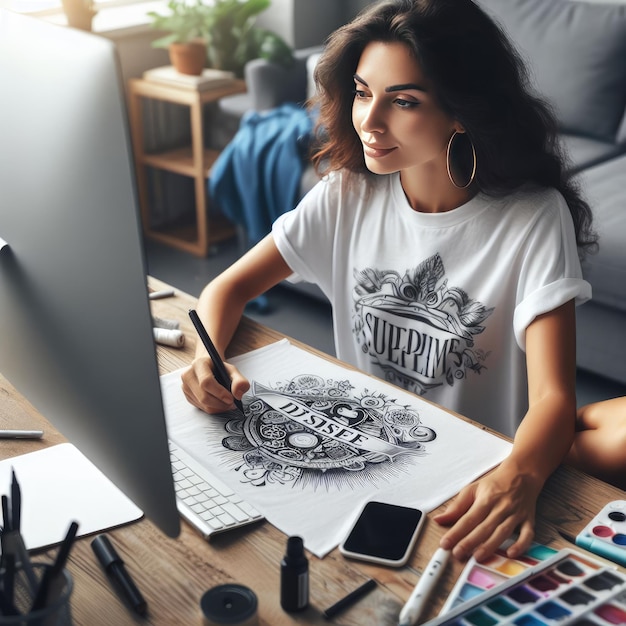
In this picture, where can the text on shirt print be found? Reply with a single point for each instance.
(312, 431)
(416, 328)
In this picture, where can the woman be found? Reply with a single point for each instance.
(446, 237)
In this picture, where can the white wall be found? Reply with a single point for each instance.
(304, 23)
(137, 54)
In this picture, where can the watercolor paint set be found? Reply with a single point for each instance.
(606, 533)
(477, 578)
(565, 588)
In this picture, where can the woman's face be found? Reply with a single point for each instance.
(395, 113)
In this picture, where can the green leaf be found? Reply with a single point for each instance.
(164, 42)
(274, 48)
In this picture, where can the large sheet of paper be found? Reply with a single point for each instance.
(318, 440)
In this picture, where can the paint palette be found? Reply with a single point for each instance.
(477, 578)
(566, 588)
(606, 533)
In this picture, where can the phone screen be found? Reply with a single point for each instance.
(385, 532)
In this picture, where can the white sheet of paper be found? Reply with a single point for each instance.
(319, 440)
(59, 485)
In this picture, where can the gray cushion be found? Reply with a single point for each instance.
(576, 52)
(601, 337)
(584, 152)
(605, 190)
(270, 85)
(237, 105)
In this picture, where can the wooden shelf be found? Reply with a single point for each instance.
(194, 161)
(181, 161)
(185, 236)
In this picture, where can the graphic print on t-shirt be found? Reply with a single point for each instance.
(419, 330)
(312, 430)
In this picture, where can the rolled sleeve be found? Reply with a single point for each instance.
(547, 299)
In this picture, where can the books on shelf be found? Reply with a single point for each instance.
(209, 79)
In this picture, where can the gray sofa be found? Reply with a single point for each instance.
(601, 322)
(576, 52)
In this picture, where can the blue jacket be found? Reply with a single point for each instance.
(257, 176)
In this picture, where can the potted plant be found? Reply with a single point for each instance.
(186, 25)
(233, 39)
(79, 13)
(225, 29)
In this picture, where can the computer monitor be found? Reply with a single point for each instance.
(75, 322)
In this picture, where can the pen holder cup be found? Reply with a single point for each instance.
(57, 611)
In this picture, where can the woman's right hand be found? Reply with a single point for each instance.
(220, 307)
(203, 391)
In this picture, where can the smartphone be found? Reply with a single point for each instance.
(605, 534)
(383, 533)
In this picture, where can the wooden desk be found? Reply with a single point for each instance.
(174, 573)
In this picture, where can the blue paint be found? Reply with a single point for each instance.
(528, 620)
(553, 611)
(470, 591)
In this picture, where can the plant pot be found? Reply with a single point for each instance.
(188, 58)
(79, 13)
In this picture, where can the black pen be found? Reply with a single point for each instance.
(114, 567)
(567, 537)
(7, 606)
(8, 584)
(47, 589)
(350, 599)
(6, 518)
(221, 375)
(16, 502)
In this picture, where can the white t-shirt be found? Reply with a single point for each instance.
(437, 303)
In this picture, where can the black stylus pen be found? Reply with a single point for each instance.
(52, 581)
(114, 567)
(221, 375)
(350, 599)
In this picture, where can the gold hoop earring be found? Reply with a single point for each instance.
(472, 175)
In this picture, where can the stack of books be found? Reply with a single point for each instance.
(209, 79)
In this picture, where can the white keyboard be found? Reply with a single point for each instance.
(203, 500)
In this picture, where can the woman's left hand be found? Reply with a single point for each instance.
(489, 511)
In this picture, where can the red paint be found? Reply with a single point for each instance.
(612, 614)
(602, 531)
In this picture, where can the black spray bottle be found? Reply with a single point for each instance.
(294, 577)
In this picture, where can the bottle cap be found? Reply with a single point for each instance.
(231, 604)
(295, 547)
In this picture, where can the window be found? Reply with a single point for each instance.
(52, 7)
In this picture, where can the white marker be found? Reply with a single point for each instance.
(165, 336)
(415, 604)
(164, 293)
(21, 434)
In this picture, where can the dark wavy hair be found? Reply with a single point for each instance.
(479, 79)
